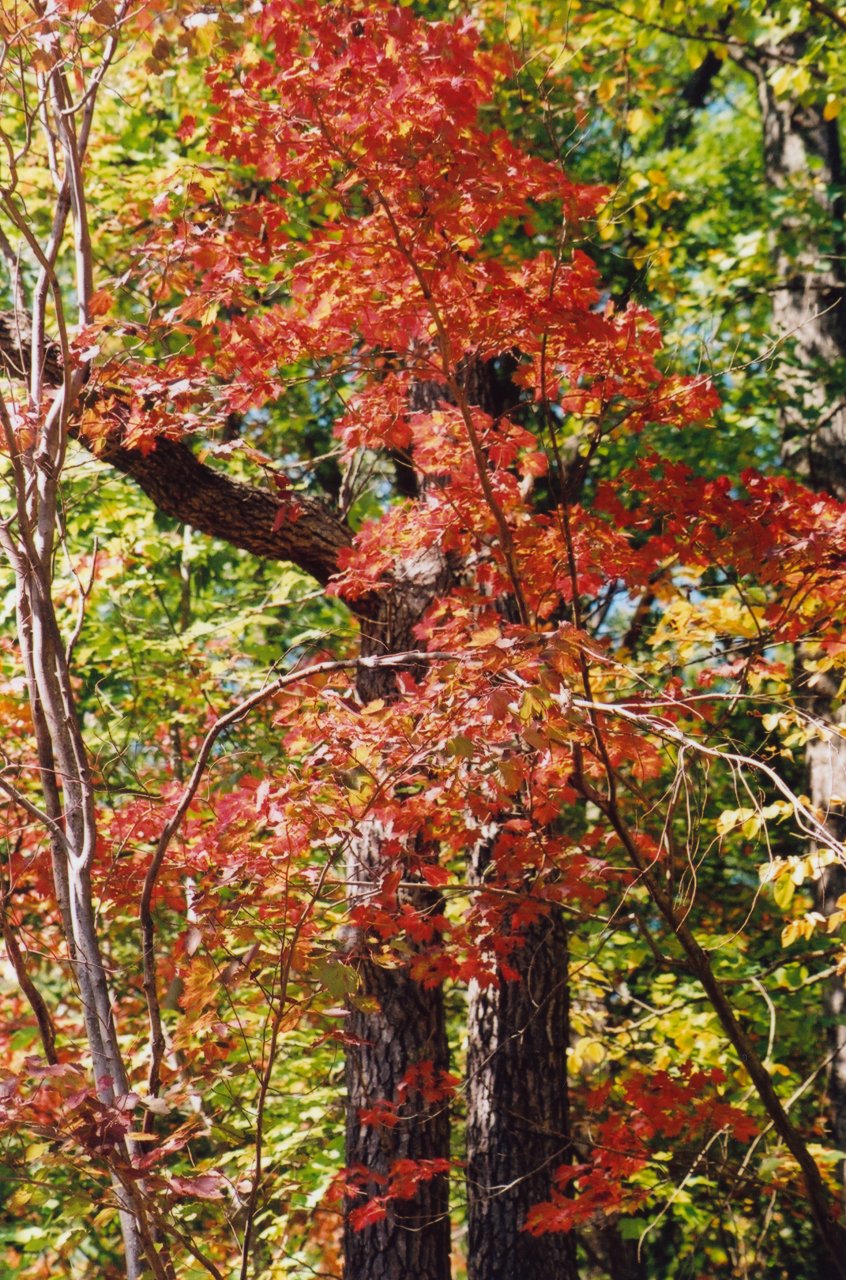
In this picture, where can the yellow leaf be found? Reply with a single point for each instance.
(790, 933)
(801, 80)
(593, 1053)
(751, 826)
(487, 635)
(783, 891)
(749, 821)
(727, 821)
(782, 79)
(606, 225)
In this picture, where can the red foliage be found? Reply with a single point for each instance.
(682, 1105)
(369, 255)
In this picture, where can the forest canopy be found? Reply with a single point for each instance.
(423, 772)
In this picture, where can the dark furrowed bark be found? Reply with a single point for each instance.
(310, 535)
(518, 1106)
(408, 1027)
(393, 1022)
(413, 1242)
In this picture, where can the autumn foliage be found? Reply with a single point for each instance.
(593, 688)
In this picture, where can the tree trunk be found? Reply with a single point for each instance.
(408, 1026)
(413, 1241)
(802, 157)
(393, 1021)
(826, 759)
(69, 806)
(518, 1106)
(802, 153)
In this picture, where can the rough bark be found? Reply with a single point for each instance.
(310, 535)
(408, 1024)
(826, 760)
(518, 1106)
(394, 1022)
(518, 1122)
(407, 1027)
(802, 152)
(802, 156)
(413, 1242)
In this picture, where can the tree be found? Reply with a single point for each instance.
(427, 272)
(777, 240)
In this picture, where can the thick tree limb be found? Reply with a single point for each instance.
(698, 86)
(191, 491)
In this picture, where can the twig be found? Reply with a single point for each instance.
(38, 1004)
(224, 722)
(17, 797)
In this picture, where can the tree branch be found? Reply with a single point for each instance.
(194, 493)
(37, 1003)
(826, 11)
(191, 491)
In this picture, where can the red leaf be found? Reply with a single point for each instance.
(368, 1214)
(206, 1186)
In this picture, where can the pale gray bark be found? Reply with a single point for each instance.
(61, 123)
(802, 158)
(802, 154)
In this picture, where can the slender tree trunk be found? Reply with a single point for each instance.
(518, 1106)
(826, 759)
(70, 808)
(802, 153)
